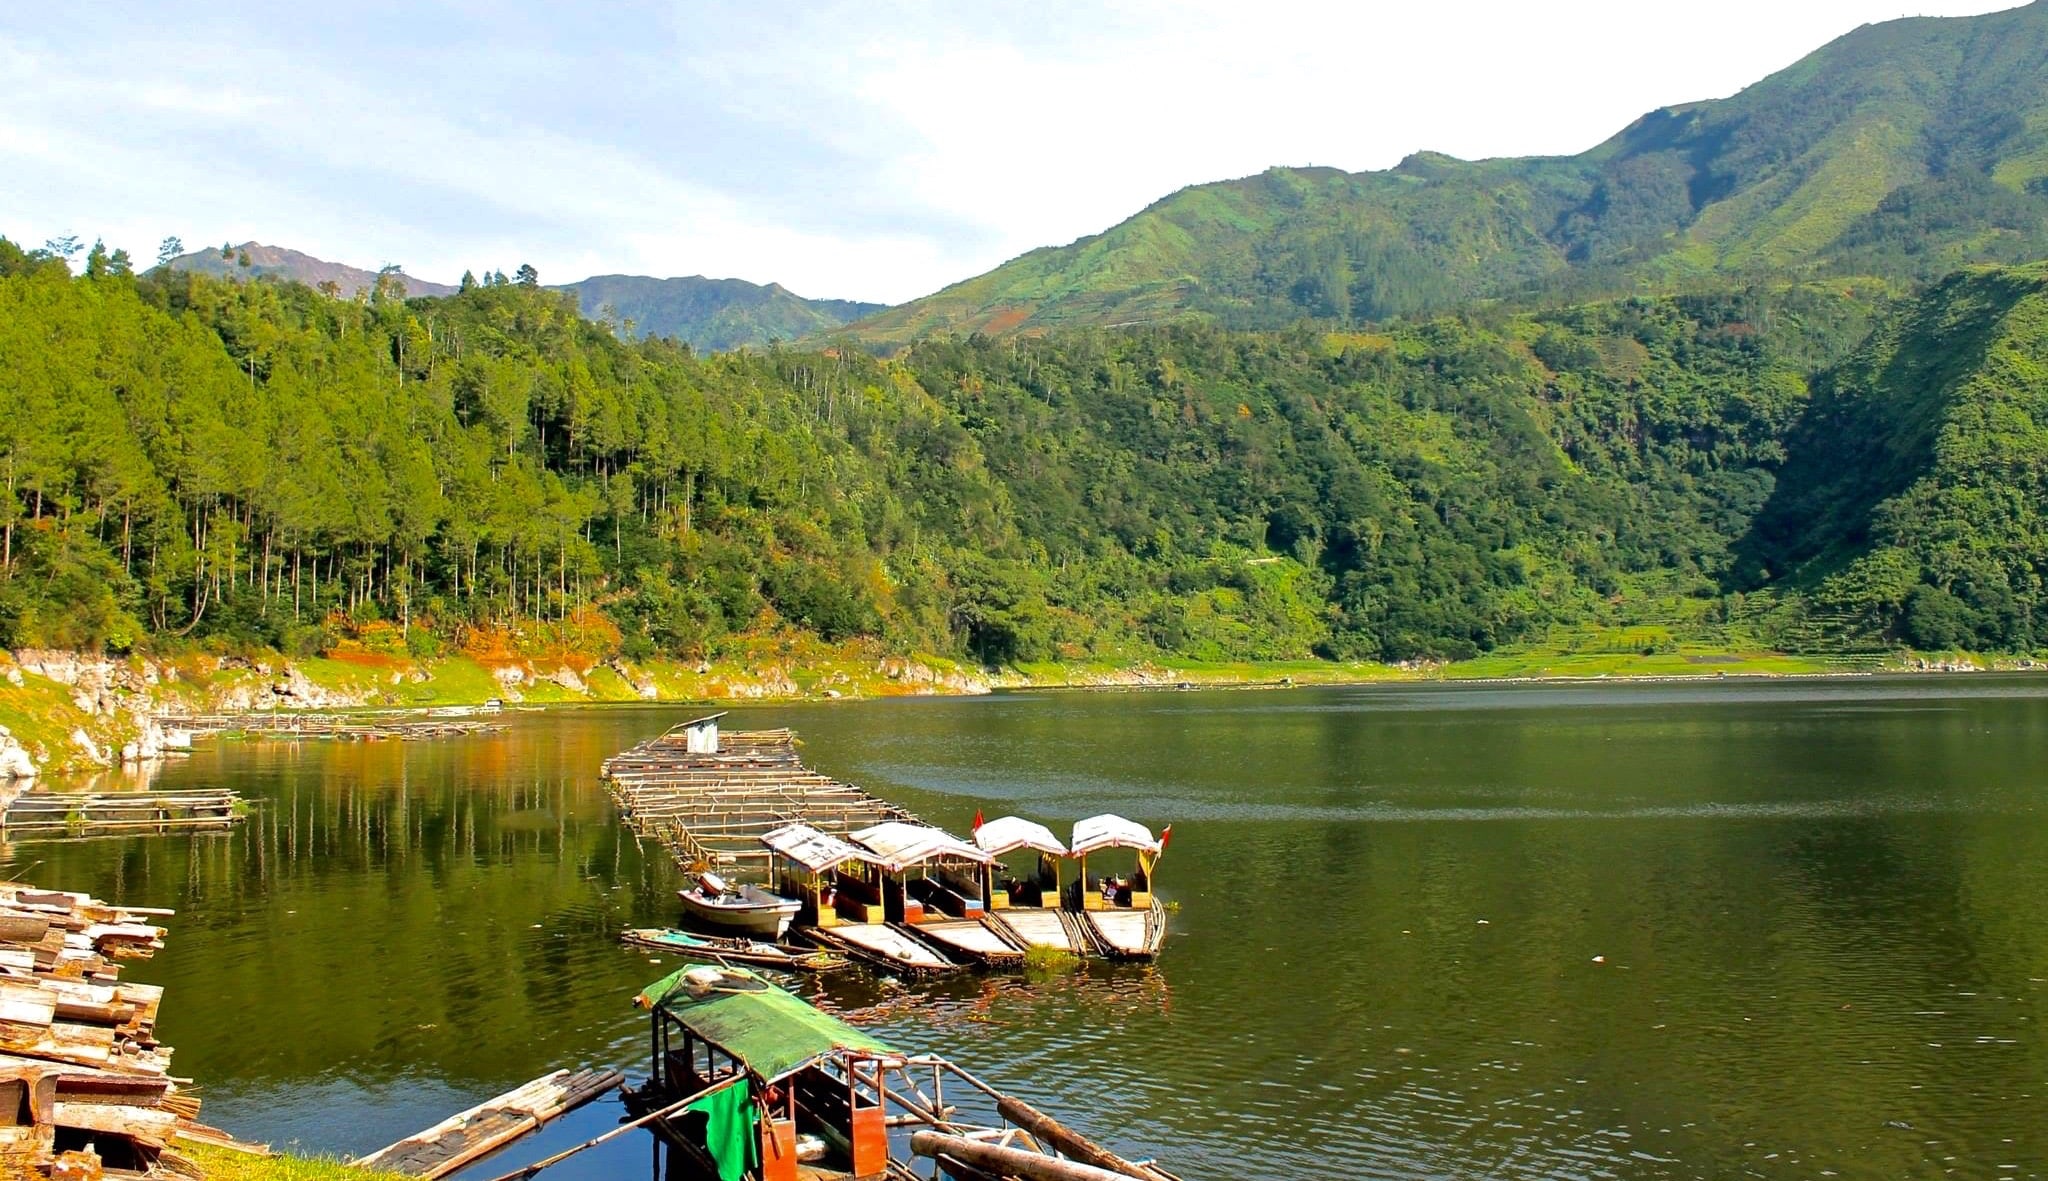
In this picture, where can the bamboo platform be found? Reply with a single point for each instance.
(1042, 927)
(883, 946)
(1128, 934)
(360, 726)
(89, 813)
(712, 809)
(491, 1125)
(973, 940)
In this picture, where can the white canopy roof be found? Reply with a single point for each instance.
(899, 845)
(1111, 832)
(812, 849)
(1007, 834)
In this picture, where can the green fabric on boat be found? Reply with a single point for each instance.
(771, 1031)
(730, 1134)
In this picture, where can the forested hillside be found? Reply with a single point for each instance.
(254, 465)
(1902, 150)
(1915, 502)
(711, 315)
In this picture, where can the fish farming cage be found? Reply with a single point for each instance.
(749, 1080)
(711, 807)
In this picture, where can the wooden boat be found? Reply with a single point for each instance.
(1119, 913)
(748, 1081)
(746, 908)
(905, 859)
(884, 945)
(739, 951)
(1026, 909)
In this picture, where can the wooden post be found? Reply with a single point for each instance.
(1008, 1162)
(1070, 1142)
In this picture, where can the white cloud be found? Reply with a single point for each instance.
(872, 150)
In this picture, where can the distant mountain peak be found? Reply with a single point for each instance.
(285, 263)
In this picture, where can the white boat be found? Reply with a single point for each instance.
(738, 908)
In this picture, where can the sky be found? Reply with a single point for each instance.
(874, 150)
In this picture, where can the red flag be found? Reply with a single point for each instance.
(1165, 835)
(977, 820)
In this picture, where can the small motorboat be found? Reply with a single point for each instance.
(734, 950)
(746, 907)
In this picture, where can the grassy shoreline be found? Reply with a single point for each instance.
(74, 714)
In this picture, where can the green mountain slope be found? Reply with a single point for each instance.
(1901, 150)
(711, 315)
(1915, 500)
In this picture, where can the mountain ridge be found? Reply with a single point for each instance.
(1902, 150)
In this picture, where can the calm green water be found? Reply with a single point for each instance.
(1822, 907)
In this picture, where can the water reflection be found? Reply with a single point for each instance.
(1671, 931)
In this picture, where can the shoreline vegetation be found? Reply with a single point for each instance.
(68, 714)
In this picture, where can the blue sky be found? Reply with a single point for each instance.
(875, 150)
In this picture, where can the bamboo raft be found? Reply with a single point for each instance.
(80, 1064)
(470, 1135)
(365, 726)
(711, 806)
(76, 813)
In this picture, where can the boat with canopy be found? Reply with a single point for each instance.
(841, 888)
(750, 1083)
(1025, 905)
(1120, 913)
(912, 864)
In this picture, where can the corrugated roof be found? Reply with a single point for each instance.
(899, 845)
(1007, 834)
(812, 849)
(1111, 832)
(774, 1033)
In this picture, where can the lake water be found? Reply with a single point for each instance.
(1784, 929)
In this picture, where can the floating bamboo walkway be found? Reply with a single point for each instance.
(713, 808)
(468, 1135)
(80, 813)
(368, 726)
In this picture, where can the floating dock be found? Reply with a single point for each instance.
(469, 1135)
(709, 798)
(88, 813)
(358, 726)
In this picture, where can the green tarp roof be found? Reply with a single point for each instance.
(771, 1031)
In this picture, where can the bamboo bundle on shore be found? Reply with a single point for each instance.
(81, 1069)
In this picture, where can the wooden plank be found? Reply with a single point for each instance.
(492, 1124)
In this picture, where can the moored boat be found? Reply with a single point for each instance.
(911, 864)
(735, 950)
(745, 907)
(1023, 899)
(1118, 911)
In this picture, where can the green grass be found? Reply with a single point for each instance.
(223, 1164)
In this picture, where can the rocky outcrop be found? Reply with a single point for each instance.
(921, 678)
(15, 761)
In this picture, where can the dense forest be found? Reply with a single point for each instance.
(260, 464)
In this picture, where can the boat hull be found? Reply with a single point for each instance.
(755, 913)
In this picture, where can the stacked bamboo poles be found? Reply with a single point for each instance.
(713, 809)
(80, 1065)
